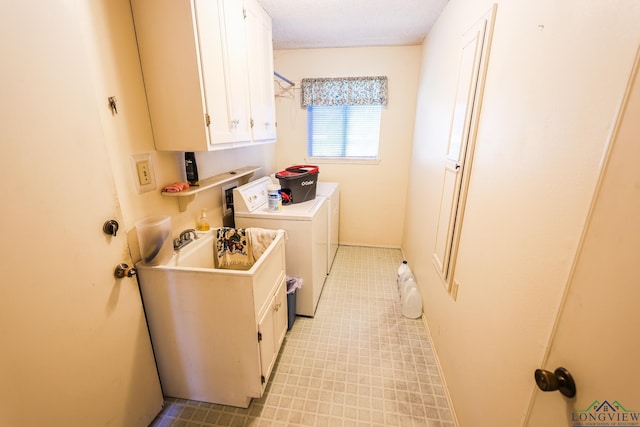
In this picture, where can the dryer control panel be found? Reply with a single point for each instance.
(251, 196)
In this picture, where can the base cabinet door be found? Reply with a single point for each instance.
(281, 319)
(272, 326)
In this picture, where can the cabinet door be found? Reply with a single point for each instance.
(170, 59)
(280, 315)
(260, 60)
(272, 327)
(266, 332)
(461, 147)
(223, 69)
(236, 45)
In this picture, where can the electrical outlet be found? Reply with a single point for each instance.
(144, 175)
(142, 168)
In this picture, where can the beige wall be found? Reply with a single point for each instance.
(372, 195)
(112, 48)
(556, 75)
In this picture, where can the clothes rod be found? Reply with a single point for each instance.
(284, 78)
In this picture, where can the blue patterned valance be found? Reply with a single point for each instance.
(344, 91)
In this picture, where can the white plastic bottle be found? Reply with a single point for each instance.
(404, 277)
(274, 197)
(408, 282)
(412, 303)
(404, 267)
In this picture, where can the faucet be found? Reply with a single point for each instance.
(185, 238)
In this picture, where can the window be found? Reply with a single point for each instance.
(343, 116)
(351, 131)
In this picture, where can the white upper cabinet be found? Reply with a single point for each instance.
(222, 45)
(194, 56)
(260, 61)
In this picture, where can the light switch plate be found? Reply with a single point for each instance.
(143, 170)
(143, 174)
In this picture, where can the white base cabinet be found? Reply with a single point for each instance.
(216, 333)
(195, 60)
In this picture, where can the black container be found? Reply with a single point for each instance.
(291, 309)
(191, 168)
(298, 183)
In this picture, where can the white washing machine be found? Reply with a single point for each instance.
(331, 192)
(306, 246)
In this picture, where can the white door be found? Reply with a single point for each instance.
(471, 76)
(75, 346)
(596, 336)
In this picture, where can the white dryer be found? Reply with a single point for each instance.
(331, 192)
(306, 247)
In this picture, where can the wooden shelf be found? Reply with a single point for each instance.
(187, 196)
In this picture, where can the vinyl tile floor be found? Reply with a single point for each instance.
(358, 362)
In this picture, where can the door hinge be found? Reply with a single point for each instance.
(262, 379)
(259, 336)
(244, 13)
(251, 123)
(207, 119)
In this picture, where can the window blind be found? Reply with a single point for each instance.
(351, 131)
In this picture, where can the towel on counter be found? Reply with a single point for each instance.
(233, 249)
(176, 187)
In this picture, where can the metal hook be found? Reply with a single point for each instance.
(112, 104)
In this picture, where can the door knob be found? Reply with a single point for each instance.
(110, 227)
(560, 380)
(123, 270)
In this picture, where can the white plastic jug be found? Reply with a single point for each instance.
(412, 303)
(404, 267)
(408, 282)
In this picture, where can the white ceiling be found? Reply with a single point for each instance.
(299, 24)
